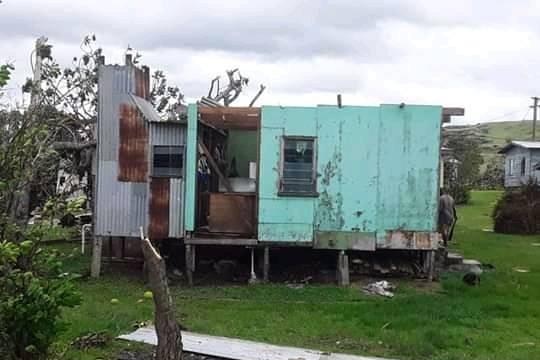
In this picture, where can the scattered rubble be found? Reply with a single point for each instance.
(91, 340)
(382, 288)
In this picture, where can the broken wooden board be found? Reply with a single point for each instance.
(237, 349)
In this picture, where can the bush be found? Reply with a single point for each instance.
(460, 192)
(518, 211)
(33, 291)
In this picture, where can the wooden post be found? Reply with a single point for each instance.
(343, 269)
(189, 264)
(430, 263)
(266, 264)
(169, 345)
(95, 268)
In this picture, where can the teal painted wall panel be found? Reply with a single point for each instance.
(347, 167)
(191, 168)
(409, 143)
(282, 218)
(286, 232)
(377, 170)
(287, 210)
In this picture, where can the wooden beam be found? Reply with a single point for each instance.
(215, 166)
(448, 112)
(221, 241)
(236, 118)
(453, 111)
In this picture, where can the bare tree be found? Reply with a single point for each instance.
(167, 329)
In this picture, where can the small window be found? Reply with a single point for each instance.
(298, 173)
(511, 167)
(168, 161)
(522, 168)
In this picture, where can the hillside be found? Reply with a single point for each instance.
(494, 135)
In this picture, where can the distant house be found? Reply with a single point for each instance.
(521, 162)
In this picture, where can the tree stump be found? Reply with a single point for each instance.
(167, 329)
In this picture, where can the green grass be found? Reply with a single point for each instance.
(497, 320)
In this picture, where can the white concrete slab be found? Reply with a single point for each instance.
(237, 349)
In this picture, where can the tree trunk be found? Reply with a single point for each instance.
(168, 331)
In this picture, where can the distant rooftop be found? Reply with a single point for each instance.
(523, 144)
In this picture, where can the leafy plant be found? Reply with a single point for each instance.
(33, 291)
(518, 210)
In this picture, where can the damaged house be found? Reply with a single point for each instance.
(341, 178)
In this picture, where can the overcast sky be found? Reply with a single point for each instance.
(481, 55)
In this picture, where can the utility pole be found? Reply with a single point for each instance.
(535, 107)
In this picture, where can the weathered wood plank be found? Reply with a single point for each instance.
(238, 118)
(221, 241)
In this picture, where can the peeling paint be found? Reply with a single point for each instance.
(377, 171)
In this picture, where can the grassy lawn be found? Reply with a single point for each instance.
(497, 320)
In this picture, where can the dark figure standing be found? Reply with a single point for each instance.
(447, 216)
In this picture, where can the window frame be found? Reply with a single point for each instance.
(182, 154)
(523, 166)
(511, 167)
(281, 191)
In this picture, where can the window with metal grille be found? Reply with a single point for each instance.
(298, 173)
(168, 161)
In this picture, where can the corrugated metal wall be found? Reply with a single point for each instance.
(122, 206)
(172, 135)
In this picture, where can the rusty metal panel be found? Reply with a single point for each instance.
(158, 227)
(345, 240)
(411, 240)
(176, 208)
(132, 152)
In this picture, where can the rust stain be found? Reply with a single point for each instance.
(132, 153)
(158, 227)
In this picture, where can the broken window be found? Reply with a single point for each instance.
(298, 173)
(168, 161)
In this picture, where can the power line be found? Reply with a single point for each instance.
(535, 108)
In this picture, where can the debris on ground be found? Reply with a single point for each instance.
(471, 278)
(295, 286)
(382, 288)
(91, 340)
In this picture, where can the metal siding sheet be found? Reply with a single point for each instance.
(167, 134)
(121, 207)
(133, 149)
(158, 211)
(176, 208)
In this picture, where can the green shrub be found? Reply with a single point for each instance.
(518, 210)
(33, 291)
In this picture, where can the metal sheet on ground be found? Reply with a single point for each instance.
(237, 349)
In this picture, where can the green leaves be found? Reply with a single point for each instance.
(5, 73)
(34, 291)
